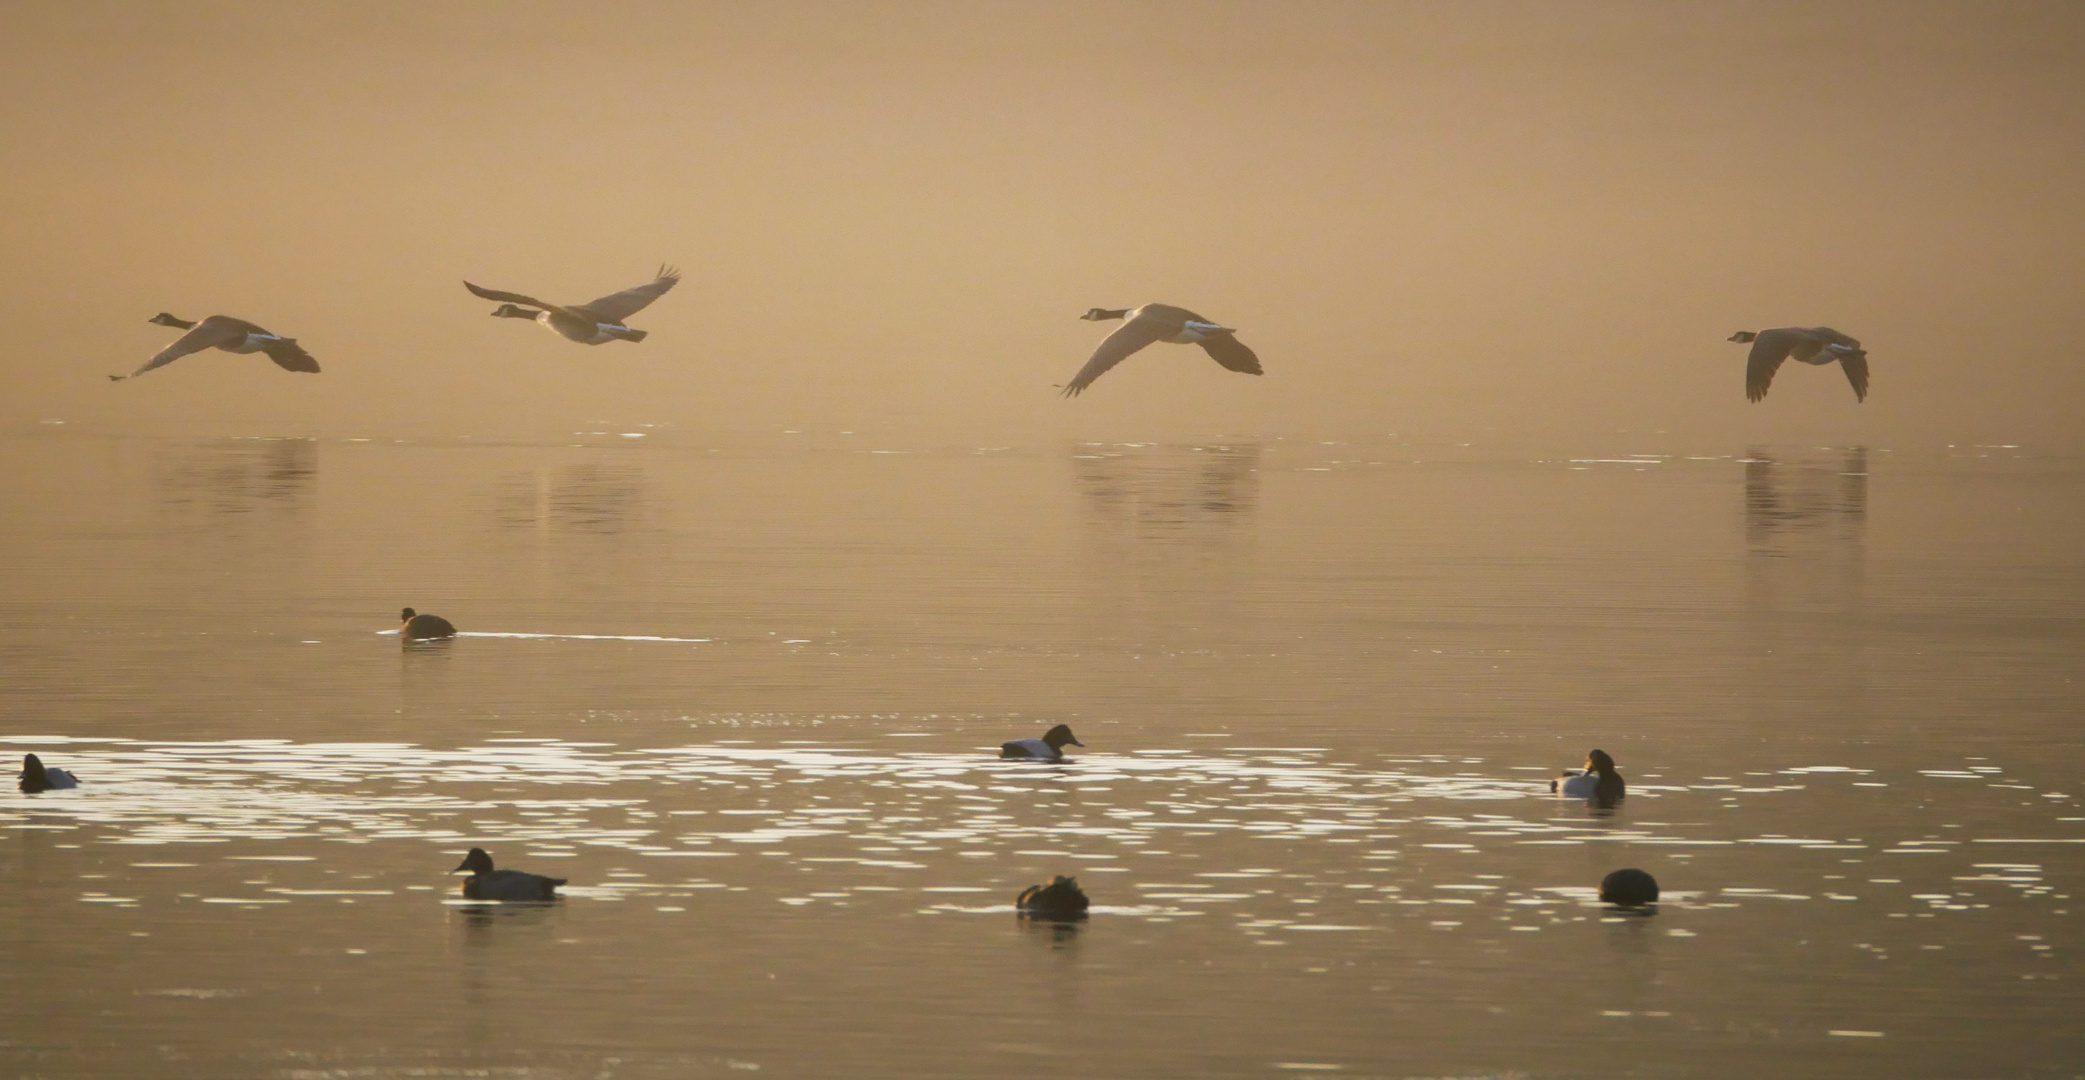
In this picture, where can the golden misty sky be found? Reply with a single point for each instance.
(1446, 220)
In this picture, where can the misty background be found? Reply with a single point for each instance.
(1455, 220)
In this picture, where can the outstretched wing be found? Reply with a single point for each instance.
(208, 334)
(1855, 364)
(1769, 350)
(1127, 338)
(510, 297)
(1231, 353)
(615, 307)
(290, 356)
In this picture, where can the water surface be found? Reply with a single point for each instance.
(746, 698)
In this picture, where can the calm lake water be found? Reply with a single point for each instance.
(746, 698)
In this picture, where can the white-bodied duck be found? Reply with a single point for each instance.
(231, 335)
(1160, 322)
(37, 777)
(1598, 782)
(591, 323)
(485, 883)
(1817, 345)
(1048, 748)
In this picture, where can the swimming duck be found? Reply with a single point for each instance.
(414, 626)
(591, 323)
(1159, 322)
(1628, 888)
(1048, 748)
(36, 778)
(1060, 899)
(1817, 345)
(1599, 781)
(231, 335)
(485, 883)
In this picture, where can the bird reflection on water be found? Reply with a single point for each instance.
(239, 476)
(585, 498)
(1176, 492)
(1805, 505)
(1805, 581)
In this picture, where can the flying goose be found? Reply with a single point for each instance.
(590, 323)
(485, 883)
(1598, 782)
(1061, 899)
(1048, 748)
(414, 626)
(36, 778)
(229, 334)
(1818, 345)
(1159, 322)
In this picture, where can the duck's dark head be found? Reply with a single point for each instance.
(1598, 761)
(167, 318)
(407, 615)
(1741, 336)
(1104, 314)
(32, 766)
(1059, 735)
(511, 311)
(477, 862)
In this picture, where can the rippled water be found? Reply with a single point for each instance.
(747, 699)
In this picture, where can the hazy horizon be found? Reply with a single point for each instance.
(1541, 220)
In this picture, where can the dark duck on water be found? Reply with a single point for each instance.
(1060, 899)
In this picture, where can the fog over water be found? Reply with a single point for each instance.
(1472, 219)
(747, 608)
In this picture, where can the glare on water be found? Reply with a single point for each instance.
(749, 702)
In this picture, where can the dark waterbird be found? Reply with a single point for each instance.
(485, 883)
(1060, 899)
(1629, 888)
(1048, 748)
(1817, 345)
(231, 335)
(37, 778)
(591, 323)
(1160, 322)
(414, 626)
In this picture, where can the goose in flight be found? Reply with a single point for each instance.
(1160, 322)
(1818, 345)
(229, 334)
(590, 323)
